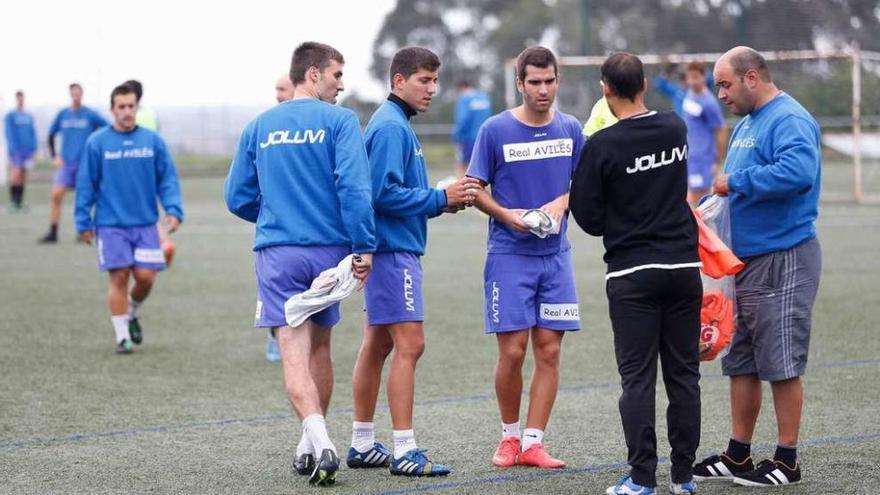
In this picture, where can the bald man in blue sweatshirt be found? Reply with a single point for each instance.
(404, 202)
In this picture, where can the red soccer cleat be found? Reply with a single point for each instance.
(505, 454)
(538, 457)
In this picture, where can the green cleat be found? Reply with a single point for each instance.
(124, 347)
(134, 329)
(325, 470)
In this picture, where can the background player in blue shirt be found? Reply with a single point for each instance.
(75, 124)
(707, 136)
(300, 173)
(21, 144)
(472, 108)
(125, 168)
(404, 202)
(527, 155)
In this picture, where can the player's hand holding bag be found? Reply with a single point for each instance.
(720, 265)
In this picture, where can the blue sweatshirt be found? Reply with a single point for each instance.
(301, 174)
(402, 198)
(774, 161)
(471, 110)
(75, 127)
(21, 138)
(120, 176)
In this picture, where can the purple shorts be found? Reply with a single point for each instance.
(284, 271)
(123, 247)
(393, 293)
(65, 176)
(23, 160)
(525, 291)
(699, 177)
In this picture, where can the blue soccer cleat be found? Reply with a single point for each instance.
(416, 463)
(325, 470)
(378, 456)
(686, 488)
(627, 486)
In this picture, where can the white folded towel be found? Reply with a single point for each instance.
(540, 223)
(331, 286)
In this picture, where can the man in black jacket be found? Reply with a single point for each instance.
(631, 188)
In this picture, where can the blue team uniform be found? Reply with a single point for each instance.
(121, 175)
(300, 173)
(471, 110)
(75, 127)
(702, 115)
(404, 202)
(775, 168)
(21, 138)
(528, 281)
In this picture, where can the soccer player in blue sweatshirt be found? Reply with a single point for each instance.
(472, 108)
(300, 173)
(75, 124)
(707, 135)
(528, 155)
(21, 144)
(404, 202)
(125, 168)
(772, 177)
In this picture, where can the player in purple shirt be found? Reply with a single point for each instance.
(527, 155)
(707, 136)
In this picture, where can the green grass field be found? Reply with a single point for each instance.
(197, 409)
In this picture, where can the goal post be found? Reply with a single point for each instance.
(830, 83)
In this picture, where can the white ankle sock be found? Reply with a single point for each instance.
(404, 441)
(315, 428)
(120, 327)
(510, 430)
(363, 436)
(531, 436)
(133, 307)
(305, 445)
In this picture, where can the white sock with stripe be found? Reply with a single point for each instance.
(404, 441)
(531, 436)
(363, 436)
(316, 429)
(510, 430)
(120, 327)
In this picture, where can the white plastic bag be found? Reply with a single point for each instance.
(718, 313)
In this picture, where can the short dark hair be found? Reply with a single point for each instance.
(137, 87)
(624, 75)
(407, 61)
(122, 89)
(697, 66)
(537, 56)
(75, 85)
(464, 83)
(19, 93)
(311, 54)
(746, 59)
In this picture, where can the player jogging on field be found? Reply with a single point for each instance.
(21, 144)
(125, 168)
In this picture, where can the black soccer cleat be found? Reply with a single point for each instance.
(304, 464)
(49, 238)
(124, 347)
(135, 330)
(721, 467)
(770, 473)
(324, 473)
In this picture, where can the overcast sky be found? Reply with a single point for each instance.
(187, 53)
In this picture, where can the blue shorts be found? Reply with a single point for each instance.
(524, 291)
(65, 176)
(393, 293)
(123, 247)
(24, 160)
(284, 271)
(463, 152)
(699, 177)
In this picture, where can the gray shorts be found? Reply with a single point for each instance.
(774, 296)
